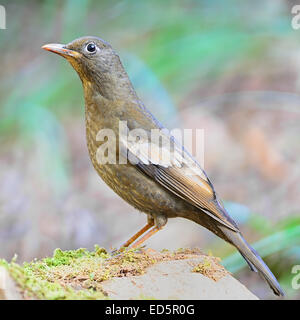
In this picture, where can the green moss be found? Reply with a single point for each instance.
(68, 257)
(73, 274)
(49, 278)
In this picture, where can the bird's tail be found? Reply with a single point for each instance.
(253, 259)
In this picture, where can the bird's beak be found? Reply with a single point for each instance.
(61, 50)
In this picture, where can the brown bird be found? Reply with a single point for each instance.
(163, 182)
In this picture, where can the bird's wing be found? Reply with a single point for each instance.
(172, 167)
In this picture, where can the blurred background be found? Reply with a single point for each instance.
(229, 67)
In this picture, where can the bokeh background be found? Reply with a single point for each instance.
(229, 67)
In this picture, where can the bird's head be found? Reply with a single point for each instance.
(96, 63)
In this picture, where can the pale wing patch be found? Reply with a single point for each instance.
(151, 153)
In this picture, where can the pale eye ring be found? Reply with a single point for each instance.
(91, 47)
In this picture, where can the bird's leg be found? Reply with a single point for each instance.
(149, 224)
(137, 235)
(145, 237)
(160, 221)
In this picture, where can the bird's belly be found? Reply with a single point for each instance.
(140, 191)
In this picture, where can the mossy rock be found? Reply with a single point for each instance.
(83, 274)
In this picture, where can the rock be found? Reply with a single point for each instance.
(175, 280)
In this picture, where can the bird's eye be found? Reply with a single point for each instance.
(91, 47)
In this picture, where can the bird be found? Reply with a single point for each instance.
(165, 182)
